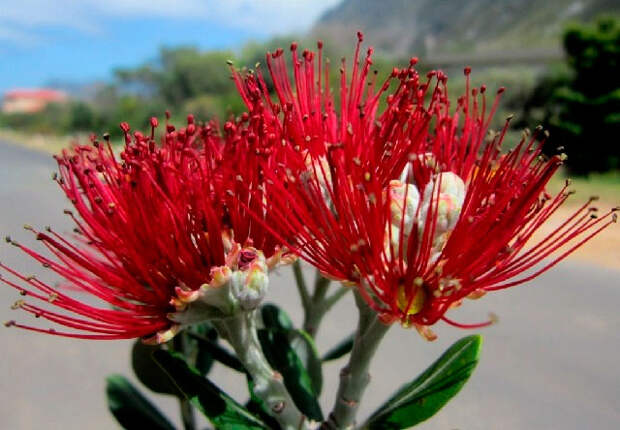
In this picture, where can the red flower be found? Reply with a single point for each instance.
(151, 229)
(304, 116)
(416, 205)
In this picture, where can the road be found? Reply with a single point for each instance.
(550, 363)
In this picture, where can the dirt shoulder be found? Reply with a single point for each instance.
(602, 250)
(37, 142)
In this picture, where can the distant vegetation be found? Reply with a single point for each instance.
(180, 79)
(580, 104)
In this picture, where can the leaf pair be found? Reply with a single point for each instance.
(200, 343)
(133, 411)
(292, 353)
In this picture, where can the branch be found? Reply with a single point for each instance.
(354, 377)
(301, 285)
(240, 332)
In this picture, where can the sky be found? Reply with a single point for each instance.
(81, 41)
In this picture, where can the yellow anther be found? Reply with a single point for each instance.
(18, 304)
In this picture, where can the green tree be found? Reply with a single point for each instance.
(584, 111)
(180, 74)
(82, 117)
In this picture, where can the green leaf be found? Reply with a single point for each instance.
(292, 353)
(148, 372)
(205, 329)
(344, 347)
(223, 412)
(275, 318)
(204, 361)
(283, 358)
(217, 352)
(203, 355)
(429, 392)
(303, 344)
(130, 408)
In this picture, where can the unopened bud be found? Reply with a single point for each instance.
(250, 284)
(445, 204)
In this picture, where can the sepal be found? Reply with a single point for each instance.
(239, 286)
(162, 336)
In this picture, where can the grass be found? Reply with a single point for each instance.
(604, 185)
(44, 143)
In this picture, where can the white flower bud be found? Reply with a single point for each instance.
(400, 195)
(446, 207)
(404, 201)
(318, 170)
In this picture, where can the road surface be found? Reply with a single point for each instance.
(550, 363)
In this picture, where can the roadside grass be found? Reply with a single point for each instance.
(47, 143)
(604, 249)
(604, 185)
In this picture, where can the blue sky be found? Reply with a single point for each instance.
(83, 40)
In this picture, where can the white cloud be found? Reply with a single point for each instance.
(21, 19)
(17, 37)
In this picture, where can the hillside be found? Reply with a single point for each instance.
(431, 28)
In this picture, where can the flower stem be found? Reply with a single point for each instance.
(316, 309)
(319, 303)
(354, 377)
(240, 332)
(301, 284)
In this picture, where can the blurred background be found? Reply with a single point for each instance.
(79, 67)
(69, 68)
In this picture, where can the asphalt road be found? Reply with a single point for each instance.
(552, 362)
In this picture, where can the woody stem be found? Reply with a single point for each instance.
(240, 332)
(354, 377)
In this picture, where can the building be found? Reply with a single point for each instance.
(31, 100)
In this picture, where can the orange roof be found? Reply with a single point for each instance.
(43, 94)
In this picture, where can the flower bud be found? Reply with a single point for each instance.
(445, 204)
(249, 285)
(318, 170)
(400, 195)
(404, 201)
(237, 287)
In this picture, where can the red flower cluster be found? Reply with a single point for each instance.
(151, 227)
(416, 205)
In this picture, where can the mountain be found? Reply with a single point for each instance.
(432, 28)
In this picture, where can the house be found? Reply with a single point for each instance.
(31, 100)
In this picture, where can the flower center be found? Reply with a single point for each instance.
(246, 257)
(442, 200)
